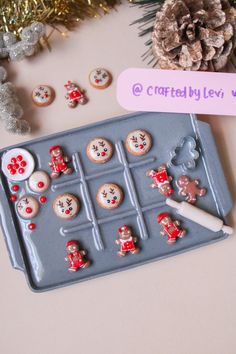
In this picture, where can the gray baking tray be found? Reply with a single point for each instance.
(40, 254)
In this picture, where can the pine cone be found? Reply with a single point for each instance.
(194, 34)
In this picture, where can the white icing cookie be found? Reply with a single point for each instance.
(99, 150)
(27, 207)
(17, 164)
(43, 95)
(66, 206)
(100, 78)
(39, 181)
(109, 196)
(138, 142)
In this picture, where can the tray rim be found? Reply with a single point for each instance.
(195, 124)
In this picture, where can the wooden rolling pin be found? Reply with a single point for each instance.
(199, 216)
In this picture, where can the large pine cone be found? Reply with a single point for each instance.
(194, 34)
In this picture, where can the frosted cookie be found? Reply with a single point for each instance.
(27, 207)
(100, 78)
(138, 142)
(43, 95)
(17, 164)
(39, 181)
(109, 196)
(66, 206)
(99, 150)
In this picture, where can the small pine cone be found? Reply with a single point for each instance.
(194, 34)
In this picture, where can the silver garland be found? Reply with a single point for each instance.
(17, 50)
(11, 111)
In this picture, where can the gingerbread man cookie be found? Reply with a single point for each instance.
(109, 196)
(138, 142)
(99, 150)
(43, 95)
(190, 189)
(100, 78)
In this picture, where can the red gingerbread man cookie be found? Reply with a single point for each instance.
(126, 241)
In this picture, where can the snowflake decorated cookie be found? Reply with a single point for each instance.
(27, 207)
(39, 181)
(138, 142)
(66, 206)
(43, 95)
(100, 78)
(17, 164)
(99, 150)
(109, 196)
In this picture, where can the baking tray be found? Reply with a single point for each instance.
(40, 254)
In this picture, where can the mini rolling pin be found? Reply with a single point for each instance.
(199, 216)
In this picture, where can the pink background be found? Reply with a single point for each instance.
(181, 305)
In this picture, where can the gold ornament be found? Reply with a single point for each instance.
(16, 15)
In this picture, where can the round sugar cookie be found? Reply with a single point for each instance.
(27, 207)
(109, 196)
(100, 78)
(39, 181)
(43, 95)
(99, 150)
(17, 164)
(66, 206)
(138, 142)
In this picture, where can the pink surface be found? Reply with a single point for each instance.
(181, 305)
(177, 91)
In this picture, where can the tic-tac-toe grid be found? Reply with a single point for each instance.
(93, 221)
(40, 254)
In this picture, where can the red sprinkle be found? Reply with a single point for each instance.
(32, 226)
(43, 199)
(15, 166)
(12, 172)
(21, 171)
(23, 163)
(15, 188)
(40, 184)
(9, 166)
(28, 210)
(13, 160)
(19, 158)
(13, 198)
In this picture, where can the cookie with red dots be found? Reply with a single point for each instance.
(17, 164)
(43, 95)
(100, 78)
(138, 142)
(109, 196)
(66, 206)
(27, 207)
(99, 150)
(39, 181)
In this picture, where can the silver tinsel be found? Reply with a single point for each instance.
(16, 50)
(11, 111)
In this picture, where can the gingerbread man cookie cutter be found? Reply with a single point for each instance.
(184, 154)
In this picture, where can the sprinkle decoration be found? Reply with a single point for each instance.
(15, 188)
(13, 198)
(32, 226)
(43, 199)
